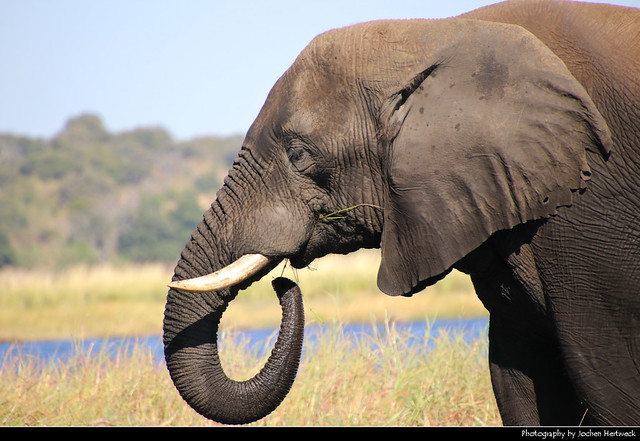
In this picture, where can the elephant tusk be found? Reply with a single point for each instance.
(238, 271)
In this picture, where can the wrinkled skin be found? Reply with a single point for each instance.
(509, 152)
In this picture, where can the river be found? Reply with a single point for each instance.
(259, 340)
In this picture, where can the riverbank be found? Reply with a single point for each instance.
(389, 378)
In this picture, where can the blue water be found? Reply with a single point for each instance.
(258, 341)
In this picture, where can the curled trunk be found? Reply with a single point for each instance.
(191, 352)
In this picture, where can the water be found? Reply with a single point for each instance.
(258, 340)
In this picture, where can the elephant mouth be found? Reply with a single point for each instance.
(304, 258)
(252, 267)
(316, 246)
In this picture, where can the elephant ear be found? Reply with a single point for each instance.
(494, 132)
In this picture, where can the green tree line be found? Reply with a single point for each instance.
(91, 196)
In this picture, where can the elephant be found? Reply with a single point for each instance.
(503, 143)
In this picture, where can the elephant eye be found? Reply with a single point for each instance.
(300, 158)
(295, 154)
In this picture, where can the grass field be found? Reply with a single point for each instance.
(339, 383)
(109, 301)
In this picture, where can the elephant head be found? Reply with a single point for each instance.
(426, 137)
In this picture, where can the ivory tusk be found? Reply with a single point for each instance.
(231, 275)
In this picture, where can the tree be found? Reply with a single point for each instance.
(82, 130)
(161, 227)
(7, 253)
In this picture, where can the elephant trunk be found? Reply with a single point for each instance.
(194, 364)
(191, 348)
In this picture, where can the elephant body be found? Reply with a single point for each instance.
(504, 143)
(572, 353)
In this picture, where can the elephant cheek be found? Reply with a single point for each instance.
(277, 230)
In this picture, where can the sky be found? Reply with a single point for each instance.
(195, 68)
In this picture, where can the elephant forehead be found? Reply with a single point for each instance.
(309, 101)
(320, 115)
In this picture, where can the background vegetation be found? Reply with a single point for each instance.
(91, 196)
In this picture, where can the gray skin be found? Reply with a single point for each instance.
(509, 152)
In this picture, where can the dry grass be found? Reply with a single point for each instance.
(394, 384)
(109, 301)
(382, 381)
(82, 302)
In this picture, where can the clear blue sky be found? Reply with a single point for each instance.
(194, 67)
